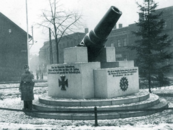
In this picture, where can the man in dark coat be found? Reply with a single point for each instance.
(26, 88)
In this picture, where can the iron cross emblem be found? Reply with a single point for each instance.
(63, 83)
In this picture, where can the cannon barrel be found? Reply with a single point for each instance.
(95, 39)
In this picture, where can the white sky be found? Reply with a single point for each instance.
(91, 10)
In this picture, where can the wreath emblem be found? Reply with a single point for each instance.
(124, 83)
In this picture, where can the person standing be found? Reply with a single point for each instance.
(26, 88)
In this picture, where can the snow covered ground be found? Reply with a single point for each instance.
(18, 120)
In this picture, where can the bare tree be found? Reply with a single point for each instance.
(59, 21)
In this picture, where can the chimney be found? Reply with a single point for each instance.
(86, 30)
(120, 25)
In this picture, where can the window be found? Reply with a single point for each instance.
(62, 44)
(67, 44)
(125, 42)
(112, 44)
(10, 31)
(119, 43)
(125, 57)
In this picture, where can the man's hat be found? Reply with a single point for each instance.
(26, 66)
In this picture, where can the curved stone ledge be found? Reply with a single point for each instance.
(153, 100)
(137, 97)
(101, 116)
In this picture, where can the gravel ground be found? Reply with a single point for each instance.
(18, 120)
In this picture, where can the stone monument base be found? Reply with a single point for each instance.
(137, 101)
(73, 80)
(114, 82)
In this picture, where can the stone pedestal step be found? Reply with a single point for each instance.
(153, 100)
(104, 115)
(137, 97)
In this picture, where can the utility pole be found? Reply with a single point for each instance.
(50, 47)
(32, 28)
(27, 32)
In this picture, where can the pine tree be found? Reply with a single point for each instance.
(152, 46)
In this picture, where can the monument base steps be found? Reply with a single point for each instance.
(133, 98)
(78, 110)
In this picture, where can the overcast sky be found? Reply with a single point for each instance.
(91, 10)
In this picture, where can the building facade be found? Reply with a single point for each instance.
(13, 50)
(66, 41)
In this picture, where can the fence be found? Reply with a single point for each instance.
(143, 84)
(94, 111)
(17, 82)
(41, 86)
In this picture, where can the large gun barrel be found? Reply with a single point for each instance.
(95, 39)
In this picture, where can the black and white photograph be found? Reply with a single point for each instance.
(86, 65)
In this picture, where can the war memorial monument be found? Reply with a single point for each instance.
(90, 76)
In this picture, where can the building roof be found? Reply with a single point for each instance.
(165, 10)
(69, 36)
(14, 24)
